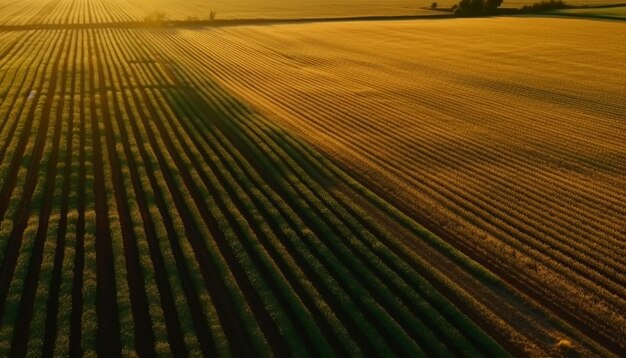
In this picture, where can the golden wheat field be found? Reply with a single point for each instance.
(506, 136)
(172, 185)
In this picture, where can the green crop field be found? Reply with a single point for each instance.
(617, 12)
(294, 190)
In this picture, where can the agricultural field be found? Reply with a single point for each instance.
(617, 12)
(510, 143)
(31, 12)
(146, 210)
(293, 191)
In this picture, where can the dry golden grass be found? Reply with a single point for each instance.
(507, 136)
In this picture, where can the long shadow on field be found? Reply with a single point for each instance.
(301, 188)
(261, 143)
(255, 150)
(272, 171)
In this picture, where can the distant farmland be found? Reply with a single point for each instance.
(436, 188)
(100, 11)
(618, 12)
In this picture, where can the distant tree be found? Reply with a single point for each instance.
(491, 6)
(212, 15)
(463, 8)
(477, 7)
(545, 5)
(433, 5)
